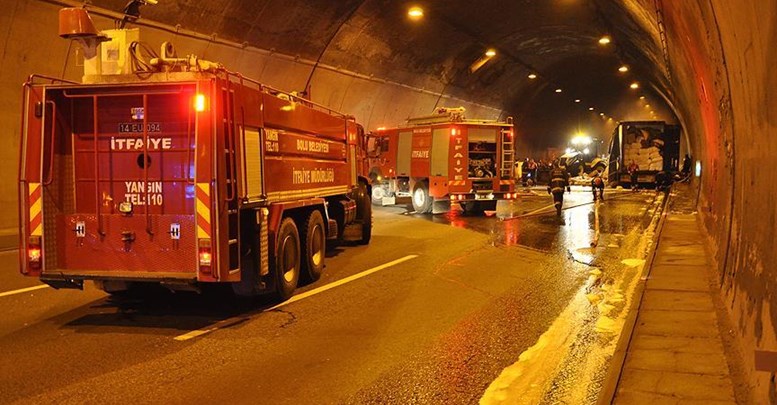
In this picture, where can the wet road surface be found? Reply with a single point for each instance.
(469, 296)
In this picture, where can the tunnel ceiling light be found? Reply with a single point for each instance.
(647, 105)
(602, 114)
(623, 69)
(634, 86)
(577, 100)
(641, 97)
(558, 90)
(532, 76)
(415, 13)
(605, 40)
(476, 65)
(590, 108)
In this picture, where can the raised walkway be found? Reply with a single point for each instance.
(675, 353)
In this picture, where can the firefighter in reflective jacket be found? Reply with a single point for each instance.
(597, 186)
(559, 180)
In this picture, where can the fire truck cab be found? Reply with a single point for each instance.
(443, 157)
(185, 175)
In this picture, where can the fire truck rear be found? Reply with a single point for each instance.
(444, 158)
(184, 175)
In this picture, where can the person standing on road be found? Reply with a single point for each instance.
(597, 184)
(633, 169)
(686, 165)
(533, 169)
(559, 182)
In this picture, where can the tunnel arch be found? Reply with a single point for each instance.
(709, 62)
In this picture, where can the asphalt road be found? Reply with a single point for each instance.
(463, 298)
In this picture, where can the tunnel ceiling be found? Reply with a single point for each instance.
(556, 39)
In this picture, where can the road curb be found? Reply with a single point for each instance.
(614, 372)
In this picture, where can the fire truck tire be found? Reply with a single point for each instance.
(314, 248)
(422, 201)
(287, 259)
(364, 212)
(378, 192)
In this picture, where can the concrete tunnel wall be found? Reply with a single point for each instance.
(721, 61)
(719, 78)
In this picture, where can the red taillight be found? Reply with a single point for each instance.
(205, 258)
(199, 102)
(34, 252)
(205, 255)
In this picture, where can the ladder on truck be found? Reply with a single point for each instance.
(230, 158)
(508, 153)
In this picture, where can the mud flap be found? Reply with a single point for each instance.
(353, 232)
(388, 201)
(60, 283)
(440, 206)
(506, 209)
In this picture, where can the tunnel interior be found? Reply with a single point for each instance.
(558, 41)
(705, 64)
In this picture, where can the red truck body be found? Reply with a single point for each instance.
(184, 178)
(444, 158)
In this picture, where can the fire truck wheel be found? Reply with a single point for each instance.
(364, 212)
(287, 259)
(422, 201)
(314, 249)
(378, 192)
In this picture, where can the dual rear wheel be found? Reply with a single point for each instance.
(299, 255)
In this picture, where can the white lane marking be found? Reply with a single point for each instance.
(340, 282)
(235, 320)
(218, 325)
(23, 290)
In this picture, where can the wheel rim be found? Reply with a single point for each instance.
(419, 197)
(377, 193)
(317, 246)
(289, 260)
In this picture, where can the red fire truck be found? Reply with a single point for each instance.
(444, 157)
(185, 175)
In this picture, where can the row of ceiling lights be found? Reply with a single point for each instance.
(416, 13)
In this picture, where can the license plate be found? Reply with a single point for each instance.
(137, 127)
